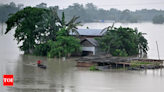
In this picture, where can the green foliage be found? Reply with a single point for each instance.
(63, 45)
(141, 63)
(92, 68)
(122, 41)
(90, 12)
(158, 19)
(58, 38)
(69, 26)
(31, 27)
(41, 49)
(156, 64)
(119, 52)
(48, 26)
(137, 64)
(53, 52)
(25, 21)
(52, 23)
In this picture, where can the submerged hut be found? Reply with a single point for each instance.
(99, 60)
(90, 47)
(88, 44)
(115, 62)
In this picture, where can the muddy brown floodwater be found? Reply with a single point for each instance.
(64, 76)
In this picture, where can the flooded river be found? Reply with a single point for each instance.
(64, 76)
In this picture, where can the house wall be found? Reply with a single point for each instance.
(89, 49)
(86, 44)
(83, 37)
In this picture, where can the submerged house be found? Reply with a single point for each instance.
(90, 47)
(88, 43)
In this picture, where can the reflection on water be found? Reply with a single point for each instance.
(58, 76)
(64, 76)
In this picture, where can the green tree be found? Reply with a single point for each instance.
(109, 37)
(63, 45)
(69, 26)
(41, 49)
(91, 11)
(52, 23)
(159, 19)
(125, 15)
(141, 41)
(25, 21)
(76, 9)
(48, 27)
(123, 41)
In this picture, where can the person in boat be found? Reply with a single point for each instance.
(39, 63)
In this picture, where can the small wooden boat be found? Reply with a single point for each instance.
(42, 66)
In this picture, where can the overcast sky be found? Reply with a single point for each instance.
(106, 4)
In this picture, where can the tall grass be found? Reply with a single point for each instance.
(137, 63)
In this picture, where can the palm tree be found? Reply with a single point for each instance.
(71, 25)
(107, 29)
(141, 41)
(109, 37)
(51, 24)
(48, 26)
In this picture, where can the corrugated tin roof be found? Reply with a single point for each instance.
(92, 41)
(89, 32)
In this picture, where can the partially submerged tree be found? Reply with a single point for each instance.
(48, 27)
(123, 41)
(35, 30)
(141, 41)
(63, 45)
(25, 21)
(52, 23)
(108, 39)
(70, 26)
(158, 19)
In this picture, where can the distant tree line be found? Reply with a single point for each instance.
(7, 9)
(91, 13)
(158, 19)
